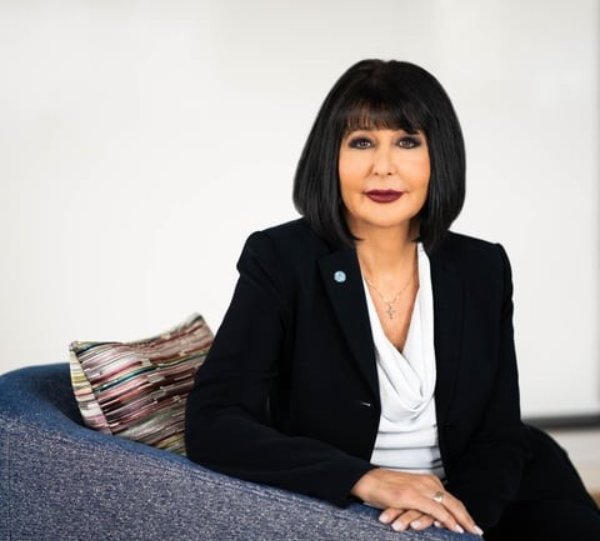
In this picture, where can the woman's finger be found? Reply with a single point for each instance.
(422, 523)
(405, 520)
(462, 517)
(390, 514)
(428, 506)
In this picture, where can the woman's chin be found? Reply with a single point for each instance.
(383, 224)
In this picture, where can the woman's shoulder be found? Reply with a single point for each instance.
(454, 241)
(467, 252)
(293, 236)
(288, 252)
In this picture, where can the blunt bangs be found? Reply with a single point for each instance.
(379, 115)
(377, 94)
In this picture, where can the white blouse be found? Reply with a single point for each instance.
(407, 438)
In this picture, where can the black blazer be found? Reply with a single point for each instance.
(288, 395)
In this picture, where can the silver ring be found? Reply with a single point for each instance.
(438, 497)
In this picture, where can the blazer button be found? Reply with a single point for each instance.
(365, 404)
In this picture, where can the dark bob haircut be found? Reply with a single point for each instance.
(377, 94)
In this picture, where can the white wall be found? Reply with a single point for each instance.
(141, 142)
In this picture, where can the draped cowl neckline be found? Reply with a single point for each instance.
(407, 437)
(407, 378)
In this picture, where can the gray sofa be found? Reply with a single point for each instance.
(62, 481)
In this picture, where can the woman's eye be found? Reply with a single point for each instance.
(409, 142)
(406, 142)
(359, 142)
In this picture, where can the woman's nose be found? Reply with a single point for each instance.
(383, 163)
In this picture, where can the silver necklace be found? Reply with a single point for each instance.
(391, 311)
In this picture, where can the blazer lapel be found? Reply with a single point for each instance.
(341, 275)
(448, 301)
(346, 292)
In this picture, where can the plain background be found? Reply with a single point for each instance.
(142, 142)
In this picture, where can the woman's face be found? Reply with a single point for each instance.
(384, 177)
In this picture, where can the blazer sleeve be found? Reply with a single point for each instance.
(227, 426)
(487, 476)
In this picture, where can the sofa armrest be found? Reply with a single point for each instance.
(61, 480)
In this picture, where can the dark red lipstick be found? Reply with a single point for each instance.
(384, 196)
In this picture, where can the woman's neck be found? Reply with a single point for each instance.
(385, 253)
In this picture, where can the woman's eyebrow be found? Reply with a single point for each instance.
(354, 130)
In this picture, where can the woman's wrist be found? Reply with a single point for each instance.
(363, 487)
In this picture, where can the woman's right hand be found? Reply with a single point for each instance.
(398, 492)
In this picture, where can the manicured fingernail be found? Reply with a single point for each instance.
(478, 530)
(384, 518)
(458, 529)
(437, 524)
(398, 526)
(415, 524)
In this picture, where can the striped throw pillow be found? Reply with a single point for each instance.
(138, 389)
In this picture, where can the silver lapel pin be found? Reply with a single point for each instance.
(339, 276)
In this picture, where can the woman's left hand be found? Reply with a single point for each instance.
(401, 519)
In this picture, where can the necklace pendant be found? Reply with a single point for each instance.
(390, 311)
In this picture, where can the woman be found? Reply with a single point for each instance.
(368, 352)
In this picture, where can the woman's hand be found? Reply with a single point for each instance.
(410, 497)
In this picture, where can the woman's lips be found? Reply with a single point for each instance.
(384, 196)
